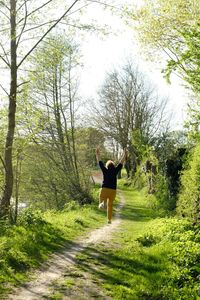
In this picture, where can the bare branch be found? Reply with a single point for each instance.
(35, 10)
(45, 34)
(6, 60)
(23, 4)
(38, 26)
(25, 82)
(4, 15)
(5, 29)
(105, 4)
(24, 25)
(4, 89)
(5, 6)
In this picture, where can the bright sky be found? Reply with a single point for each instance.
(100, 55)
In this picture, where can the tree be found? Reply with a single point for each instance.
(25, 24)
(88, 138)
(53, 90)
(160, 24)
(129, 107)
(172, 29)
(189, 199)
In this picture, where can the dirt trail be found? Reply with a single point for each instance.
(56, 267)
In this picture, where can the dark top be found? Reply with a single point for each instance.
(110, 175)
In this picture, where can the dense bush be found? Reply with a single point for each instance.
(189, 199)
(31, 217)
(182, 241)
(139, 180)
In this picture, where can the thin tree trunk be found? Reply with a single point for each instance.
(71, 106)
(17, 184)
(7, 193)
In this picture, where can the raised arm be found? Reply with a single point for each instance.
(98, 154)
(124, 156)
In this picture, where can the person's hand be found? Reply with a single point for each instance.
(126, 152)
(98, 150)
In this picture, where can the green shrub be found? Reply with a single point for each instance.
(161, 193)
(183, 256)
(139, 180)
(147, 240)
(72, 205)
(189, 198)
(31, 217)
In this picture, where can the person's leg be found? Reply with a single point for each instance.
(109, 209)
(103, 198)
(111, 198)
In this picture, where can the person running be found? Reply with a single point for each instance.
(109, 185)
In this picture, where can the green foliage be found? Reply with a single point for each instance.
(189, 198)
(147, 240)
(163, 199)
(180, 237)
(151, 258)
(139, 180)
(188, 61)
(192, 125)
(52, 172)
(160, 22)
(140, 143)
(69, 206)
(87, 140)
(188, 65)
(31, 217)
(173, 28)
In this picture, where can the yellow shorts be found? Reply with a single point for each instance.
(107, 194)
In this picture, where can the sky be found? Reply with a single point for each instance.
(101, 54)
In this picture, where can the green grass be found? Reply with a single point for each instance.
(149, 258)
(26, 245)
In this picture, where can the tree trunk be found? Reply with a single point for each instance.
(7, 193)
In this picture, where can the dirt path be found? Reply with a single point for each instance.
(56, 271)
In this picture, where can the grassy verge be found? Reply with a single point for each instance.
(150, 258)
(29, 243)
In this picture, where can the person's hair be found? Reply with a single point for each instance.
(110, 164)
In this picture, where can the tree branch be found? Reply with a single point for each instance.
(45, 34)
(24, 25)
(4, 89)
(38, 26)
(25, 82)
(4, 15)
(104, 4)
(5, 6)
(32, 12)
(25, 1)
(6, 60)
(3, 163)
